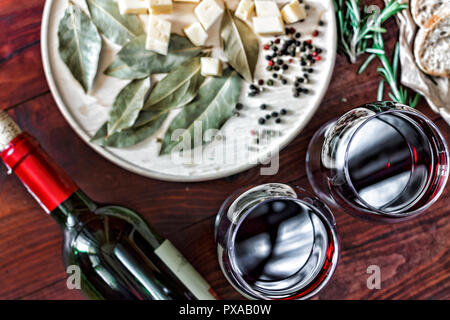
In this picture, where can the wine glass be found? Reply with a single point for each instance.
(381, 161)
(276, 241)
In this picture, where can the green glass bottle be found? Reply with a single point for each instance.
(109, 251)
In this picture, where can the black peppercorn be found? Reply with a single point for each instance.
(283, 112)
(263, 106)
(278, 120)
(310, 70)
(239, 106)
(283, 81)
(261, 121)
(285, 66)
(279, 61)
(276, 68)
(267, 116)
(275, 75)
(274, 114)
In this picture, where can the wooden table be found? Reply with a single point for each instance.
(414, 256)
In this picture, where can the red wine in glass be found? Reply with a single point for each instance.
(275, 241)
(381, 161)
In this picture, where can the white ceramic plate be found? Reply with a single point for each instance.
(237, 150)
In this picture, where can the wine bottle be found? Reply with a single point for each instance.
(118, 255)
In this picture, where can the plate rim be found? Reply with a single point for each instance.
(148, 173)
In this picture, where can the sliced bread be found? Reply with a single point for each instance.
(423, 10)
(432, 46)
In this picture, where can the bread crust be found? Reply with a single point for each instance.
(421, 16)
(420, 44)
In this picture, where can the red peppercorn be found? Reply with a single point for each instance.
(292, 30)
(291, 60)
(277, 41)
(270, 63)
(252, 132)
(314, 53)
(266, 47)
(315, 33)
(308, 41)
(318, 58)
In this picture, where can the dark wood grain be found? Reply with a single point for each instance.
(21, 73)
(414, 256)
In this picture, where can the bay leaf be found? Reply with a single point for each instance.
(79, 45)
(119, 69)
(240, 45)
(138, 58)
(178, 87)
(116, 27)
(213, 106)
(128, 137)
(127, 105)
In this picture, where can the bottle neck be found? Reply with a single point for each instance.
(43, 178)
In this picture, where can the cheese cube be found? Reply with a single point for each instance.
(268, 26)
(208, 12)
(158, 35)
(161, 6)
(192, 1)
(293, 12)
(133, 6)
(244, 9)
(196, 34)
(267, 8)
(211, 67)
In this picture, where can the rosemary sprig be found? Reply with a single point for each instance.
(357, 28)
(357, 24)
(389, 72)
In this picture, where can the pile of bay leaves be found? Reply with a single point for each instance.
(141, 107)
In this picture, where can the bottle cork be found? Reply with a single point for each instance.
(8, 130)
